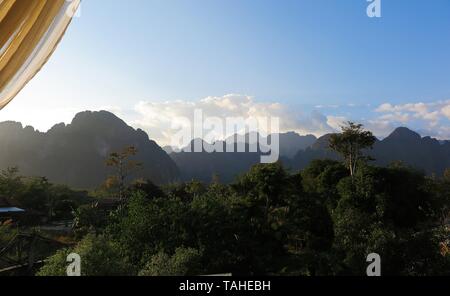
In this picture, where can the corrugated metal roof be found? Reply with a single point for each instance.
(11, 210)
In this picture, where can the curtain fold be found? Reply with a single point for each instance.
(30, 30)
(5, 6)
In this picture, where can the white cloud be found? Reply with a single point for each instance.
(446, 111)
(157, 118)
(430, 118)
(415, 108)
(336, 121)
(431, 113)
(379, 127)
(396, 117)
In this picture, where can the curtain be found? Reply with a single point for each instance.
(30, 30)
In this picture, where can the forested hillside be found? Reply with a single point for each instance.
(75, 154)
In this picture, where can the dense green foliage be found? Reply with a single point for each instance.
(350, 144)
(319, 221)
(41, 199)
(100, 258)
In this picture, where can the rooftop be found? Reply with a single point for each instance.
(11, 210)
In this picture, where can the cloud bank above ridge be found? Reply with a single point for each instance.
(157, 117)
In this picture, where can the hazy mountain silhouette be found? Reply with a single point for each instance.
(290, 143)
(426, 154)
(203, 165)
(75, 154)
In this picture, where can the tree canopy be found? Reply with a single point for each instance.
(351, 143)
(320, 221)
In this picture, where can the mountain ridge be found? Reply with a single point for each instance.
(403, 144)
(75, 154)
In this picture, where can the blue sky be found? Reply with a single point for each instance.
(322, 58)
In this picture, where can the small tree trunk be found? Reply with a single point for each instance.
(351, 165)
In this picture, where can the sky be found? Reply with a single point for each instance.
(314, 63)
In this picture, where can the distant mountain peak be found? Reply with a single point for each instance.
(75, 154)
(322, 142)
(88, 117)
(404, 134)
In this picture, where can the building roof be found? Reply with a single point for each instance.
(7, 207)
(11, 210)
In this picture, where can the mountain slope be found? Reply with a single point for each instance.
(75, 154)
(203, 166)
(404, 145)
(227, 166)
(426, 154)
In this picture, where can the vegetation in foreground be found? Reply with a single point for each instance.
(324, 220)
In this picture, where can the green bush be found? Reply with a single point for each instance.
(185, 262)
(99, 257)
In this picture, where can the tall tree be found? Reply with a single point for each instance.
(351, 142)
(124, 165)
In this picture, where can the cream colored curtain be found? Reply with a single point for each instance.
(30, 30)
